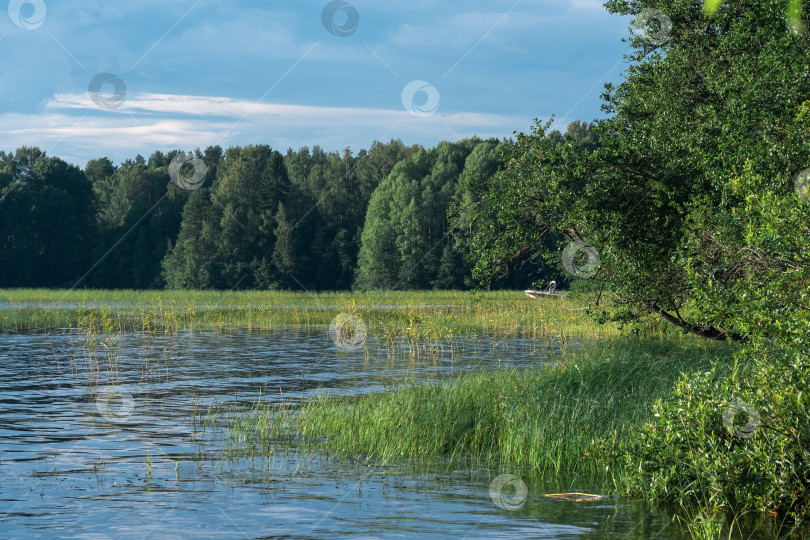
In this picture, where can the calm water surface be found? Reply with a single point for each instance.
(86, 455)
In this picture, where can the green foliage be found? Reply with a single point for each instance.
(130, 226)
(273, 221)
(751, 265)
(332, 197)
(46, 220)
(710, 7)
(733, 442)
(194, 261)
(408, 240)
(514, 225)
(793, 12)
(715, 97)
(721, 238)
(138, 218)
(687, 454)
(145, 231)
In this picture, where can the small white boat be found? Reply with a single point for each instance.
(544, 294)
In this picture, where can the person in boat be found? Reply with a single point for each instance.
(552, 286)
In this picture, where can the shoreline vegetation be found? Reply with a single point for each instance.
(597, 415)
(415, 314)
(563, 419)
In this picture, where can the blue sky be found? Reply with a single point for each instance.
(202, 72)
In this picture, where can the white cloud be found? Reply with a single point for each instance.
(250, 111)
(72, 126)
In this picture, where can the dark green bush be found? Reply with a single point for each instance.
(734, 442)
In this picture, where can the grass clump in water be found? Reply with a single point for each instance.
(542, 419)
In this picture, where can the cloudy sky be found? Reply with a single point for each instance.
(183, 74)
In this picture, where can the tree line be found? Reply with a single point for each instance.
(259, 219)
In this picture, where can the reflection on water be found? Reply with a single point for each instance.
(86, 454)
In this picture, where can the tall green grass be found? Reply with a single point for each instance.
(412, 316)
(541, 420)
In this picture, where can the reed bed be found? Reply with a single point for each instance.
(559, 420)
(415, 317)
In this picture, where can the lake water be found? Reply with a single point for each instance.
(86, 455)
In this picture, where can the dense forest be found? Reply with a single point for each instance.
(248, 218)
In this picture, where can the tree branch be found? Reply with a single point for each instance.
(708, 332)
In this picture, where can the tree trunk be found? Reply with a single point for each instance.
(707, 332)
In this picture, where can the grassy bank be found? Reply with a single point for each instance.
(538, 420)
(589, 420)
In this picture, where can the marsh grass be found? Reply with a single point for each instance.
(704, 525)
(418, 318)
(541, 420)
(701, 523)
(569, 421)
(420, 325)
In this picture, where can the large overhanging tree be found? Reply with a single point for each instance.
(708, 96)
